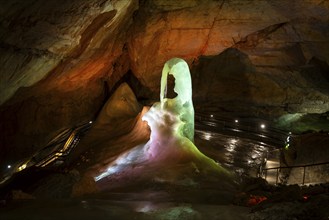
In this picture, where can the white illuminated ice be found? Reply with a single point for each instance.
(172, 127)
(172, 120)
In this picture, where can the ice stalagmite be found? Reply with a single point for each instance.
(172, 122)
(172, 132)
(182, 104)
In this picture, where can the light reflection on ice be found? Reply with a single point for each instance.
(234, 152)
(126, 159)
(171, 122)
(233, 141)
(207, 136)
(145, 207)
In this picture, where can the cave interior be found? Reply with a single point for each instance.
(88, 128)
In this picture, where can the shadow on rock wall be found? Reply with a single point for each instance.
(220, 83)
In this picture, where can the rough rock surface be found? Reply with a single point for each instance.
(232, 82)
(19, 195)
(117, 129)
(57, 63)
(86, 185)
(277, 36)
(308, 149)
(117, 118)
(62, 38)
(60, 60)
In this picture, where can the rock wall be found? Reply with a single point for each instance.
(58, 61)
(264, 29)
(309, 149)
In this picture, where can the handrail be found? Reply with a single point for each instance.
(244, 124)
(268, 136)
(289, 167)
(297, 166)
(66, 147)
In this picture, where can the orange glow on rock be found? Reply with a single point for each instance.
(255, 200)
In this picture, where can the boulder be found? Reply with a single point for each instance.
(86, 185)
(20, 195)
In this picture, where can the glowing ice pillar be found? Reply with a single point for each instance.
(182, 104)
(172, 120)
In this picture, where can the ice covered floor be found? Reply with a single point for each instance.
(104, 209)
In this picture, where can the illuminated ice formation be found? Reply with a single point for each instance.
(172, 129)
(172, 119)
(181, 105)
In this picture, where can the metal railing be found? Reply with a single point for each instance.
(244, 128)
(278, 169)
(70, 143)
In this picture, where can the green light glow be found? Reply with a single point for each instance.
(172, 131)
(172, 122)
(182, 104)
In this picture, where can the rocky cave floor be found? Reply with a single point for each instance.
(256, 200)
